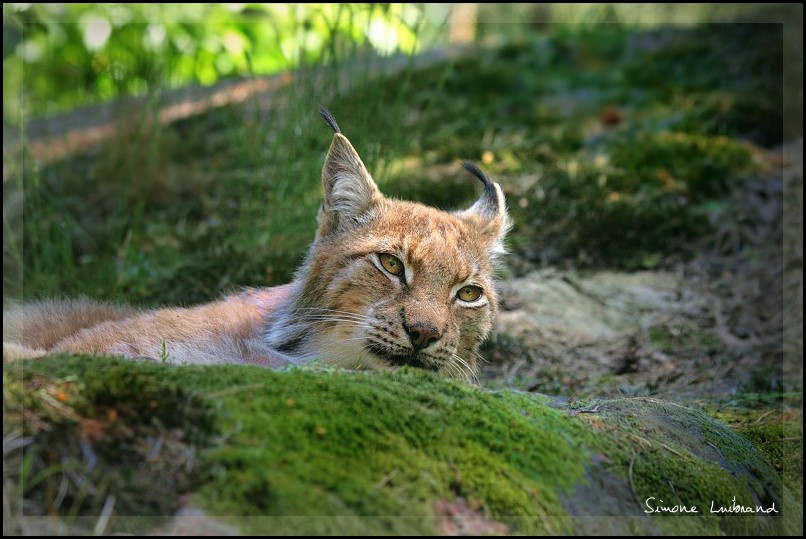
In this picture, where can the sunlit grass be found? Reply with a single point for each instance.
(67, 55)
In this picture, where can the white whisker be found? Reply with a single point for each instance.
(328, 316)
(334, 343)
(470, 372)
(336, 311)
(448, 369)
(360, 359)
(348, 321)
(459, 359)
(455, 370)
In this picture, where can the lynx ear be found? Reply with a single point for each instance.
(489, 213)
(350, 192)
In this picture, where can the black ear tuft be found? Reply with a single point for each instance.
(489, 187)
(328, 117)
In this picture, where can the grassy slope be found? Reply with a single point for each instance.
(607, 159)
(371, 448)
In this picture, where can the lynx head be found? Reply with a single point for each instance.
(388, 282)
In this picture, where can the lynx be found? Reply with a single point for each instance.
(385, 283)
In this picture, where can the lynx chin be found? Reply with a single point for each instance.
(385, 283)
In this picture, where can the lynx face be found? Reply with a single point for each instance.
(411, 286)
(390, 283)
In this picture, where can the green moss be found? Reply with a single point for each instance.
(369, 448)
(698, 166)
(744, 61)
(782, 444)
(682, 456)
(776, 431)
(406, 440)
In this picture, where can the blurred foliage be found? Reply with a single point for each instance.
(78, 54)
(740, 72)
(75, 54)
(605, 158)
(603, 164)
(499, 17)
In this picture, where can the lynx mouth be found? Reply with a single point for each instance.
(412, 359)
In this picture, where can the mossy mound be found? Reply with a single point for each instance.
(386, 453)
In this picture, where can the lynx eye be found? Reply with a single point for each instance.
(391, 263)
(469, 293)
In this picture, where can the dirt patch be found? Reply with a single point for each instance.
(460, 517)
(712, 326)
(572, 330)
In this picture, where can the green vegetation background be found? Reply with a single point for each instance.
(616, 147)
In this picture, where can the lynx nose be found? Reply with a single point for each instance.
(422, 335)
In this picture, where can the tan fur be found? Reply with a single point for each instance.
(44, 323)
(342, 306)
